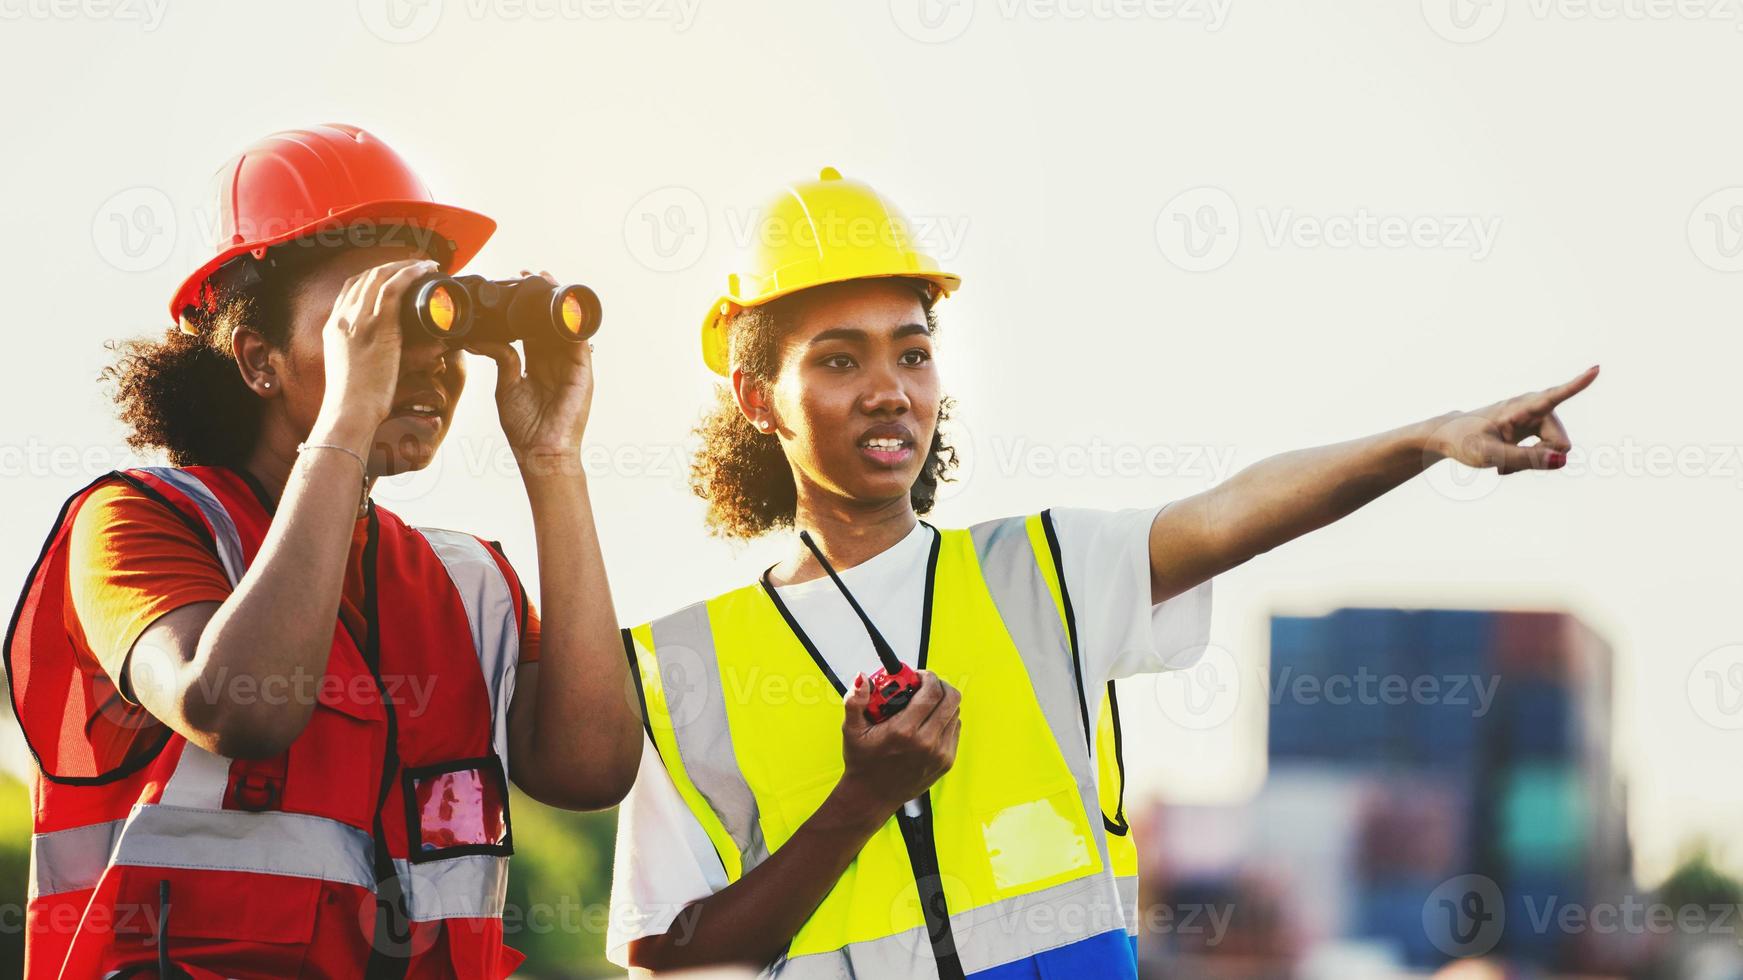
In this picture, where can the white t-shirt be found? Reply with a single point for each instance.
(664, 859)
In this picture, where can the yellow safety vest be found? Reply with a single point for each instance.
(1010, 855)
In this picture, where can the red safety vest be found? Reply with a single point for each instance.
(272, 867)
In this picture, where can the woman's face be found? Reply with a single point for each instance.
(856, 398)
(429, 370)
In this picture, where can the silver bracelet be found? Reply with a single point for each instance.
(327, 445)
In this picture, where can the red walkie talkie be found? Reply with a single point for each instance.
(893, 684)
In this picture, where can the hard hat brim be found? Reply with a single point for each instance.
(716, 352)
(468, 230)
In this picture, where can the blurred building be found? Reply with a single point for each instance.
(1440, 783)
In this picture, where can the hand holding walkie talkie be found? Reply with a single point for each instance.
(893, 684)
(895, 762)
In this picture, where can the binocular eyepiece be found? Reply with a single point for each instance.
(463, 309)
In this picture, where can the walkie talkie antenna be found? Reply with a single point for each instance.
(886, 655)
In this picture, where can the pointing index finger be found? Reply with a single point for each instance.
(1562, 392)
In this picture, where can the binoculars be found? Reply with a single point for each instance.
(464, 309)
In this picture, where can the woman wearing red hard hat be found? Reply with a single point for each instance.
(274, 724)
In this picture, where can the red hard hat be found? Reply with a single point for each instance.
(303, 181)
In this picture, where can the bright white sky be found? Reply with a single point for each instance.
(1562, 166)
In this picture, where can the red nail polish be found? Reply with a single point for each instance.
(1557, 460)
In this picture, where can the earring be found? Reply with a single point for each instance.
(266, 384)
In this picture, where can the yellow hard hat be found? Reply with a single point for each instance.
(815, 232)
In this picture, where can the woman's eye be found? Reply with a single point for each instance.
(840, 361)
(916, 357)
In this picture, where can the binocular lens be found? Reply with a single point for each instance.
(442, 308)
(572, 318)
(442, 313)
(577, 312)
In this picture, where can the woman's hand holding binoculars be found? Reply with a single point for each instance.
(544, 411)
(361, 345)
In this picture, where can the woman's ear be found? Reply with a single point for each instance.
(753, 401)
(255, 361)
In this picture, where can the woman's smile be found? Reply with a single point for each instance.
(889, 445)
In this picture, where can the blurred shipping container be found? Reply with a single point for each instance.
(1410, 751)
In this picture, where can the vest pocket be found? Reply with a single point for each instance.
(1036, 843)
(237, 923)
(457, 808)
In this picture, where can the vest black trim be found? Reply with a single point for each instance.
(1118, 825)
(635, 677)
(1070, 624)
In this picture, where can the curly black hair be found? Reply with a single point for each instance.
(743, 473)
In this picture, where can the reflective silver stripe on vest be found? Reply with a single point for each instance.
(1128, 886)
(224, 530)
(292, 844)
(297, 845)
(70, 860)
(696, 699)
(201, 777)
(474, 886)
(490, 609)
(992, 935)
(1010, 567)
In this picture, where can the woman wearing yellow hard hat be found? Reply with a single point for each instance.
(817, 806)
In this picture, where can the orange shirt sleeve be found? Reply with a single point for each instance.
(131, 560)
(529, 638)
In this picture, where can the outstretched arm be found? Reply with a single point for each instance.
(1281, 498)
